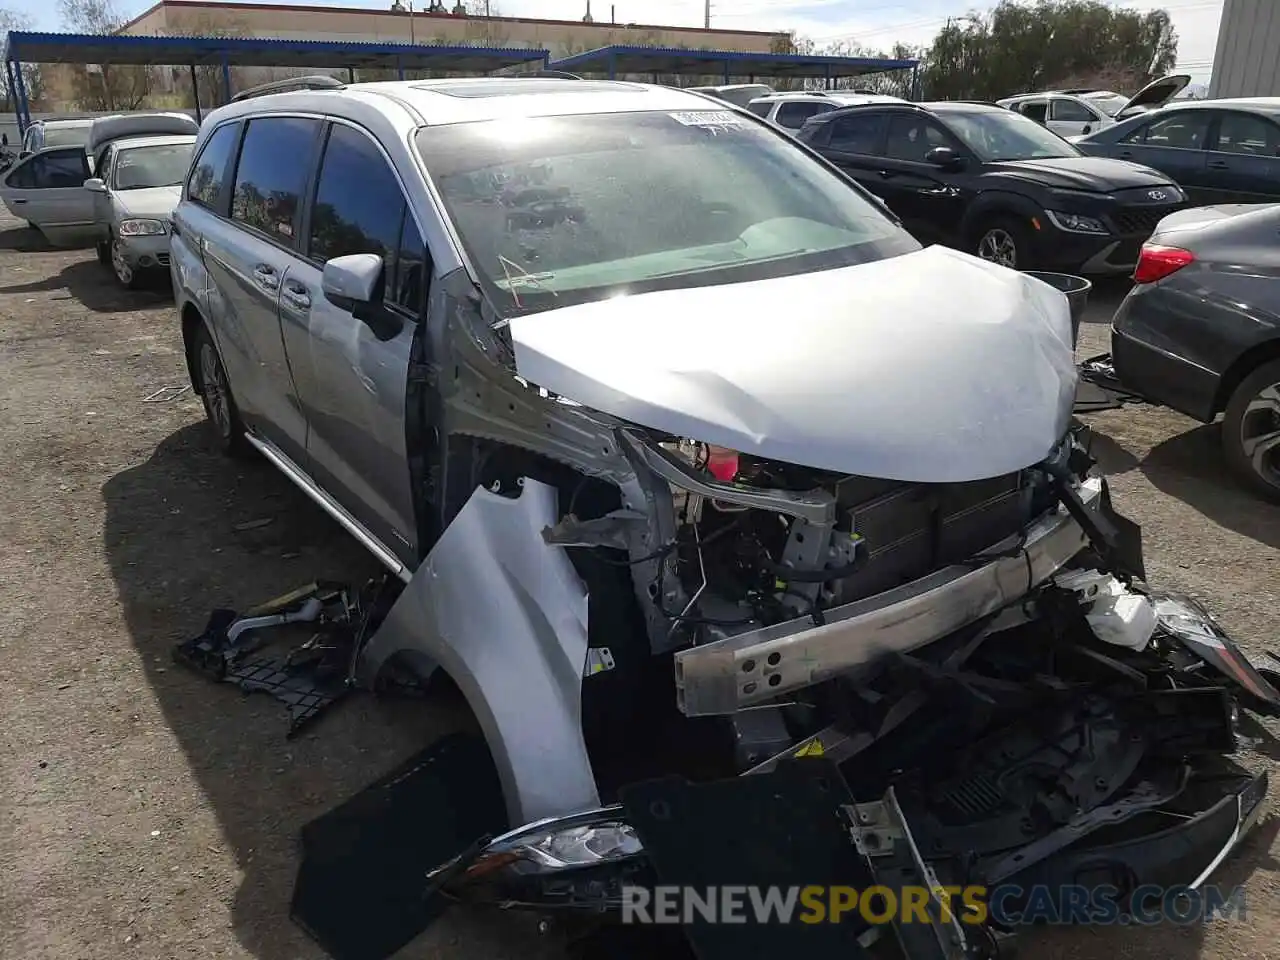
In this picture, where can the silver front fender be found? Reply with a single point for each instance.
(505, 615)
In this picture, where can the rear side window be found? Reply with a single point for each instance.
(272, 175)
(1037, 110)
(759, 107)
(208, 176)
(360, 208)
(793, 115)
(1247, 134)
(1069, 111)
(860, 133)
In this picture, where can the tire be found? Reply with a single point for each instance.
(1251, 431)
(103, 249)
(1003, 233)
(220, 408)
(125, 275)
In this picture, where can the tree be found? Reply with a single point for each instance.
(1021, 46)
(210, 87)
(104, 86)
(31, 79)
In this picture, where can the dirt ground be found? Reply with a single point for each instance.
(145, 812)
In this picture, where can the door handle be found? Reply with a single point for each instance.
(18, 200)
(1126, 154)
(266, 277)
(297, 296)
(937, 191)
(1219, 165)
(886, 174)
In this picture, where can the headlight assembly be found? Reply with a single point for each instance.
(142, 228)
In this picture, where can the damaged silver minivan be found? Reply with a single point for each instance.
(695, 472)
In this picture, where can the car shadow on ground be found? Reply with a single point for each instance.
(1191, 468)
(183, 535)
(90, 283)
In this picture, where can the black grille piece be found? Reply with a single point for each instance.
(1140, 220)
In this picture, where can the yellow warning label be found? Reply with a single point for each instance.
(813, 749)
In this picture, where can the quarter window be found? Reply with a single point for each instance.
(205, 185)
(272, 174)
(760, 107)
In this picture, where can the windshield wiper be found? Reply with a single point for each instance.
(525, 277)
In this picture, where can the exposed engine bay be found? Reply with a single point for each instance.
(977, 668)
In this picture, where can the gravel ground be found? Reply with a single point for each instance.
(145, 812)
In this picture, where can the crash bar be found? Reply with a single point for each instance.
(728, 675)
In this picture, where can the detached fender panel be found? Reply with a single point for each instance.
(505, 615)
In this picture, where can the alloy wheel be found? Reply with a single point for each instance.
(124, 272)
(997, 245)
(217, 400)
(1260, 434)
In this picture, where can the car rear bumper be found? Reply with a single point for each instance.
(1157, 373)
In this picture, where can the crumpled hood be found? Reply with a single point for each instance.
(153, 203)
(929, 367)
(1097, 174)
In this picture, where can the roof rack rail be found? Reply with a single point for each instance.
(318, 82)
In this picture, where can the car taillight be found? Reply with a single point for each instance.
(1156, 262)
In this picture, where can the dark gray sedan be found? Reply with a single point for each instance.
(1200, 330)
(1218, 151)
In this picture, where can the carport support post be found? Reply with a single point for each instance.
(826, 69)
(915, 82)
(613, 65)
(195, 92)
(23, 109)
(12, 91)
(226, 78)
(399, 69)
(726, 72)
(351, 74)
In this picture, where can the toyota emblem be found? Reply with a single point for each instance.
(1157, 195)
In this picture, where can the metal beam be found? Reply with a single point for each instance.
(23, 107)
(195, 92)
(226, 79)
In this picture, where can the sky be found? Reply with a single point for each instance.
(873, 23)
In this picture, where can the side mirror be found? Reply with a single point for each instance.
(944, 157)
(351, 280)
(95, 185)
(23, 154)
(1088, 128)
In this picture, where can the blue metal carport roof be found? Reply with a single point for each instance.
(616, 59)
(83, 48)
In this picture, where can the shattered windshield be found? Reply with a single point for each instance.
(1004, 135)
(559, 210)
(139, 168)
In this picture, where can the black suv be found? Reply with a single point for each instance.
(997, 184)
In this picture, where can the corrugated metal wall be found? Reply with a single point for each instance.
(1247, 61)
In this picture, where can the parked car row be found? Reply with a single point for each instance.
(112, 182)
(978, 177)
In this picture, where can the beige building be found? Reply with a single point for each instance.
(171, 85)
(353, 25)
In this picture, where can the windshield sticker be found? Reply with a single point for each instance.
(716, 120)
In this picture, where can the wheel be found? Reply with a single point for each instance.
(1251, 430)
(126, 276)
(219, 404)
(1003, 240)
